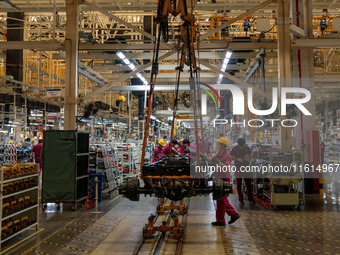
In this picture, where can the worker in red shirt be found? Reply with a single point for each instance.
(157, 154)
(166, 149)
(184, 149)
(241, 154)
(223, 158)
(37, 153)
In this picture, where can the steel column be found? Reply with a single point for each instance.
(71, 64)
(303, 76)
(284, 55)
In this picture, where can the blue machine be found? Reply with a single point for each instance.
(246, 26)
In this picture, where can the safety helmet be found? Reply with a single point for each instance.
(32, 140)
(224, 141)
(10, 142)
(161, 142)
(121, 98)
(182, 139)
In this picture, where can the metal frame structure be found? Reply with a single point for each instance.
(46, 27)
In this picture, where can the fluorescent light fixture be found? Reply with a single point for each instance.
(204, 106)
(224, 65)
(226, 61)
(132, 66)
(126, 61)
(120, 55)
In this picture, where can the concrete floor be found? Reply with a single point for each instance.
(312, 229)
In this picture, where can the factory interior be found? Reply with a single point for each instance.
(169, 127)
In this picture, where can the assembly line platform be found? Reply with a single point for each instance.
(311, 229)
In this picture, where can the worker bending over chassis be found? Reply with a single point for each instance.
(174, 148)
(241, 154)
(223, 158)
(158, 150)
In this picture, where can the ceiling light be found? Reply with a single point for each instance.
(224, 65)
(132, 66)
(126, 61)
(120, 54)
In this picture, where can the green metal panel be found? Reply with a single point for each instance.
(59, 166)
(83, 142)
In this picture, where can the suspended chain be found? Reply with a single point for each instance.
(194, 85)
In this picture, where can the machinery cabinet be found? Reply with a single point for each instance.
(66, 167)
(277, 189)
(18, 199)
(285, 189)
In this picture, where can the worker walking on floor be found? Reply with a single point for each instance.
(241, 154)
(158, 150)
(223, 158)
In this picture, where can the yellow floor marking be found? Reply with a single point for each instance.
(333, 198)
(113, 199)
(224, 241)
(30, 249)
(9, 248)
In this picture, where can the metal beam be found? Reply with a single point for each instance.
(204, 46)
(252, 45)
(30, 97)
(298, 30)
(50, 45)
(148, 55)
(315, 43)
(162, 87)
(57, 46)
(170, 76)
(88, 72)
(2, 55)
(233, 78)
(126, 76)
(253, 66)
(91, 77)
(247, 13)
(331, 4)
(150, 7)
(113, 67)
